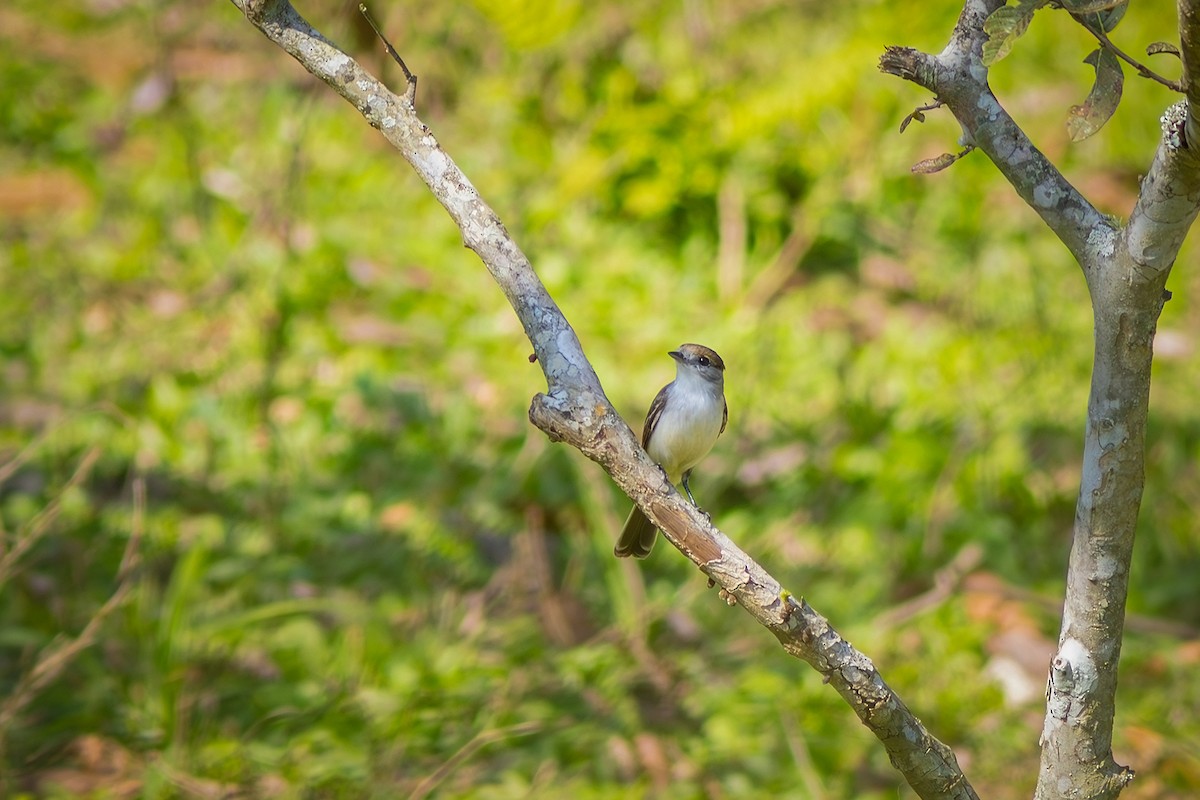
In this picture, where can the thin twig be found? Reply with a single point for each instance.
(1141, 624)
(58, 655)
(1142, 69)
(918, 113)
(37, 527)
(410, 94)
(480, 740)
(770, 282)
(794, 735)
(14, 463)
(946, 582)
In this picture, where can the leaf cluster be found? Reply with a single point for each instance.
(1099, 17)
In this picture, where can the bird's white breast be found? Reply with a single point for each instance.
(688, 428)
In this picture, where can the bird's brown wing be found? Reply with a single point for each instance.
(654, 415)
(724, 416)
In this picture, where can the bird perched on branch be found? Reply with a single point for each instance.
(685, 419)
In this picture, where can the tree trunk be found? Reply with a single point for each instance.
(1126, 270)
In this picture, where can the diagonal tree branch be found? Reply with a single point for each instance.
(958, 79)
(575, 410)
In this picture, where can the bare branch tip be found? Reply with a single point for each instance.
(410, 94)
(911, 65)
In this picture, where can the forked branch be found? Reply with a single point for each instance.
(959, 81)
(1126, 269)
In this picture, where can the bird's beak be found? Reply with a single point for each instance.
(675, 354)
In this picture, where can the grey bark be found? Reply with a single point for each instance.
(1126, 269)
(575, 410)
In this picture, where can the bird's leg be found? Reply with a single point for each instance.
(687, 475)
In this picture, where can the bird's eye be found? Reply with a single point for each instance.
(704, 362)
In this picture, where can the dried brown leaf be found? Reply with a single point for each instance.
(932, 165)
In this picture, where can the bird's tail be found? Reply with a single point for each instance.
(637, 537)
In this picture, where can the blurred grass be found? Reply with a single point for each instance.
(365, 574)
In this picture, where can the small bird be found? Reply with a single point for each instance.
(684, 421)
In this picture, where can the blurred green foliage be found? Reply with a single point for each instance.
(364, 574)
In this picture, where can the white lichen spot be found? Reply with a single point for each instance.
(1173, 121)
(1106, 568)
(388, 123)
(1046, 195)
(333, 65)
(557, 365)
(436, 163)
(988, 105)
(569, 349)
(1083, 669)
(1102, 241)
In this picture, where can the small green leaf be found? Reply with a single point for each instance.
(1091, 6)
(1102, 101)
(1104, 14)
(1110, 18)
(915, 116)
(1005, 26)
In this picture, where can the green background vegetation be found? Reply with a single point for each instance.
(364, 574)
